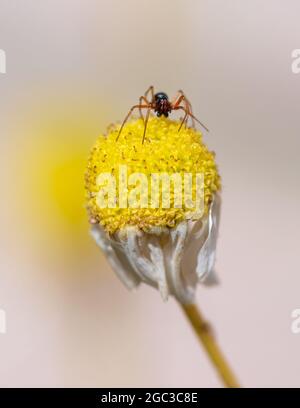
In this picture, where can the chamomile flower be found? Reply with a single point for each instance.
(170, 247)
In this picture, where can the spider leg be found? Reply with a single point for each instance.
(151, 90)
(176, 104)
(188, 105)
(197, 120)
(178, 100)
(146, 122)
(184, 120)
(187, 112)
(190, 114)
(139, 106)
(141, 100)
(144, 98)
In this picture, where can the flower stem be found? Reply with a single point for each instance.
(204, 334)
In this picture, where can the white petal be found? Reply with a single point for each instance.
(172, 260)
(157, 257)
(207, 254)
(117, 259)
(181, 286)
(198, 257)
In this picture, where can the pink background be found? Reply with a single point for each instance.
(75, 66)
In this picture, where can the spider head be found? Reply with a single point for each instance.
(161, 96)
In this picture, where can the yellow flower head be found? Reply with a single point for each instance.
(165, 151)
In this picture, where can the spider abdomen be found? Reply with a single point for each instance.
(162, 107)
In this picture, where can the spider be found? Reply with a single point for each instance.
(160, 104)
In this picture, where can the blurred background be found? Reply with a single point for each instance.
(75, 66)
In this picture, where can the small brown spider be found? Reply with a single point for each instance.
(161, 105)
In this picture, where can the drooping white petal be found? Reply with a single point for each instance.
(117, 259)
(145, 254)
(207, 254)
(177, 278)
(200, 251)
(173, 260)
(157, 257)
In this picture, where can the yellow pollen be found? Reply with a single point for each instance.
(165, 150)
